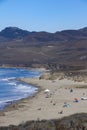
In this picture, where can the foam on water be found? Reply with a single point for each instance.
(21, 88)
(11, 89)
(6, 79)
(12, 83)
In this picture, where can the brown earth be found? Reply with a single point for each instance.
(37, 49)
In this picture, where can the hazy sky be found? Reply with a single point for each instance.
(43, 15)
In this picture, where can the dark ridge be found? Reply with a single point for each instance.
(13, 32)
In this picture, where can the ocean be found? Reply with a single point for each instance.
(11, 89)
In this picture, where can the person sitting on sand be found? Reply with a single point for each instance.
(61, 112)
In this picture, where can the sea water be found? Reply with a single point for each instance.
(13, 90)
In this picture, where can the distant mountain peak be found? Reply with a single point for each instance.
(13, 32)
(10, 27)
(13, 27)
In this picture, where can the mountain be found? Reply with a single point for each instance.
(13, 33)
(24, 48)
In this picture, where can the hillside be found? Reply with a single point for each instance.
(23, 48)
(73, 122)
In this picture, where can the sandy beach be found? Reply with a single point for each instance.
(58, 102)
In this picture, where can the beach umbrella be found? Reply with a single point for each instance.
(46, 90)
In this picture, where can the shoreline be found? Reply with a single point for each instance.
(15, 103)
(41, 107)
(12, 105)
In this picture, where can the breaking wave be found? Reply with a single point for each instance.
(12, 90)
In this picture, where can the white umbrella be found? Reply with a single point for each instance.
(46, 90)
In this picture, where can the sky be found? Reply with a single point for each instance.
(43, 15)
